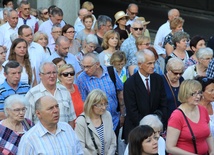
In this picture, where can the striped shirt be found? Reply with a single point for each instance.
(100, 131)
(38, 140)
(6, 91)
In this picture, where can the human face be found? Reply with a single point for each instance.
(17, 112)
(137, 30)
(208, 93)
(27, 35)
(63, 48)
(88, 23)
(13, 19)
(122, 21)
(182, 44)
(119, 65)
(150, 145)
(13, 76)
(205, 60)
(113, 41)
(56, 19)
(175, 14)
(70, 33)
(56, 32)
(90, 11)
(49, 112)
(100, 108)
(20, 49)
(89, 66)
(174, 75)
(45, 14)
(200, 44)
(43, 41)
(9, 5)
(49, 75)
(25, 10)
(132, 12)
(107, 27)
(147, 67)
(195, 98)
(145, 44)
(2, 55)
(67, 76)
(90, 47)
(179, 28)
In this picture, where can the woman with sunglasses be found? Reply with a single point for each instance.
(208, 98)
(94, 127)
(188, 130)
(42, 15)
(14, 125)
(204, 56)
(66, 74)
(172, 81)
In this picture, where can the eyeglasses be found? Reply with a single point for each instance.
(68, 73)
(91, 10)
(196, 93)
(45, 13)
(146, 44)
(71, 32)
(88, 67)
(133, 13)
(140, 29)
(19, 110)
(207, 59)
(57, 32)
(101, 105)
(50, 73)
(177, 73)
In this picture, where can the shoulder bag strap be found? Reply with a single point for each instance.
(193, 136)
(92, 136)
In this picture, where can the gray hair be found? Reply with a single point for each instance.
(57, 11)
(102, 20)
(136, 21)
(152, 121)
(171, 11)
(13, 99)
(9, 11)
(38, 34)
(178, 36)
(140, 55)
(55, 26)
(204, 52)
(93, 56)
(91, 38)
(175, 63)
(11, 64)
(41, 68)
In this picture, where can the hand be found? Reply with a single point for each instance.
(122, 119)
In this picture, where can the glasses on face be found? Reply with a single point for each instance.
(88, 67)
(177, 73)
(196, 93)
(101, 105)
(91, 10)
(19, 110)
(45, 13)
(146, 44)
(138, 28)
(71, 32)
(133, 13)
(68, 73)
(57, 32)
(50, 73)
(207, 59)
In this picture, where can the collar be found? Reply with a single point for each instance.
(143, 77)
(7, 86)
(20, 16)
(43, 89)
(104, 73)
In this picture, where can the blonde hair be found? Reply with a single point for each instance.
(38, 34)
(62, 68)
(88, 5)
(141, 40)
(118, 56)
(107, 36)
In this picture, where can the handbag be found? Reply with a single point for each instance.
(193, 136)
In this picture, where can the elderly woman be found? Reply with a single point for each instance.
(172, 81)
(196, 43)
(208, 98)
(204, 56)
(175, 25)
(42, 39)
(66, 74)
(69, 32)
(188, 129)
(94, 127)
(110, 44)
(154, 122)
(15, 125)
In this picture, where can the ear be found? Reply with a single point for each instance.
(38, 114)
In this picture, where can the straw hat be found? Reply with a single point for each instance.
(119, 15)
(143, 20)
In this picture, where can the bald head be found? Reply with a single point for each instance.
(39, 104)
(61, 39)
(173, 13)
(82, 13)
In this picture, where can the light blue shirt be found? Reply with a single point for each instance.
(38, 140)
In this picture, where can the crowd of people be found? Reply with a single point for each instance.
(100, 83)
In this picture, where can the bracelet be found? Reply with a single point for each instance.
(122, 115)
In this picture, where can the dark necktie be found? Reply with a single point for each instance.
(147, 85)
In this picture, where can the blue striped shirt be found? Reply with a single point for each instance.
(100, 131)
(38, 140)
(88, 83)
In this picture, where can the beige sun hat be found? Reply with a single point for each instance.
(119, 15)
(143, 20)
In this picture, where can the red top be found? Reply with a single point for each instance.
(77, 101)
(201, 131)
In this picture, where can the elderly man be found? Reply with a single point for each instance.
(12, 84)
(132, 12)
(56, 16)
(49, 87)
(129, 46)
(6, 4)
(78, 25)
(26, 18)
(96, 76)
(103, 25)
(49, 136)
(56, 31)
(8, 29)
(144, 93)
(163, 31)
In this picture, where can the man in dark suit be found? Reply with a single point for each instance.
(144, 93)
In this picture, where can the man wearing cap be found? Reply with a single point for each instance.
(120, 20)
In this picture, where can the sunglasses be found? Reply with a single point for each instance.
(91, 10)
(68, 73)
(45, 13)
(177, 73)
(140, 29)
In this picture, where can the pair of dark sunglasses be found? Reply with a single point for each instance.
(68, 73)
(135, 28)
